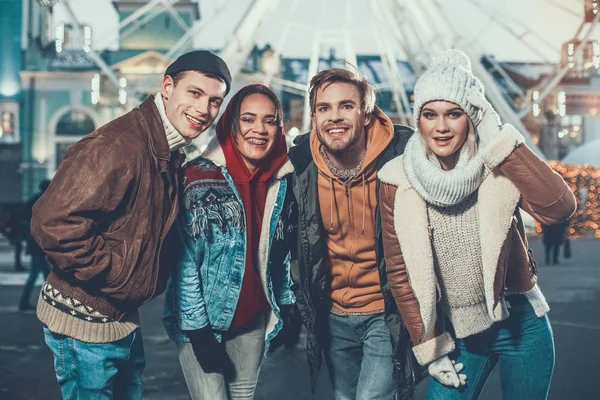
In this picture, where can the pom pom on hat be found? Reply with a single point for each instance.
(452, 57)
(448, 78)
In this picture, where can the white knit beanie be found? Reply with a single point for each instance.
(448, 78)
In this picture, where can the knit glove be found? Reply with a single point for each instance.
(446, 372)
(488, 126)
(210, 353)
(289, 333)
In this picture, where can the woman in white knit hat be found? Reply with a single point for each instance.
(457, 257)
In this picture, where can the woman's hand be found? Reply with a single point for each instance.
(488, 126)
(446, 372)
(210, 353)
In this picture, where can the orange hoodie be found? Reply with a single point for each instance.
(348, 215)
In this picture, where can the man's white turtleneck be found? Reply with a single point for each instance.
(176, 141)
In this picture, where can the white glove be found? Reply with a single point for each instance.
(488, 126)
(446, 372)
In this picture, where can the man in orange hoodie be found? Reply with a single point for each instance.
(340, 277)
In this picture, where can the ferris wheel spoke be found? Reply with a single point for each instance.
(500, 21)
(564, 8)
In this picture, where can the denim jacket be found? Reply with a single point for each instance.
(211, 256)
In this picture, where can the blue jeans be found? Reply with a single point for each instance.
(98, 370)
(523, 345)
(358, 352)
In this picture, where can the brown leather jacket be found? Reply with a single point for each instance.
(521, 179)
(103, 222)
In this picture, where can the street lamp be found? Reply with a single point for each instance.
(270, 62)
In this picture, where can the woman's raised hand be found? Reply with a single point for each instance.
(488, 125)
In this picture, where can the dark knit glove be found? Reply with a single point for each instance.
(209, 351)
(290, 332)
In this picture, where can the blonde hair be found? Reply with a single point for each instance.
(349, 75)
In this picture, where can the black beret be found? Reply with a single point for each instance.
(203, 61)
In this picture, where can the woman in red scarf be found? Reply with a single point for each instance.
(231, 289)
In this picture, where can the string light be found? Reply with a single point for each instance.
(47, 3)
(95, 86)
(60, 37)
(584, 181)
(122, 91)
(87, 39)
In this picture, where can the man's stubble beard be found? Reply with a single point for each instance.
(344, 145)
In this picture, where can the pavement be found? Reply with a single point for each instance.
(572, 289)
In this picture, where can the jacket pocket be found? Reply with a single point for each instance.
(117, 265)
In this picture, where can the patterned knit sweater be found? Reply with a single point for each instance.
(458, 265)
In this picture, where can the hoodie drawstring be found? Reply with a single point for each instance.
(362, 232)
(331, 195)
(364, 203)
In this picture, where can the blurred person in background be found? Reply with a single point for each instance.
(38, 258)
(10, 226)
(554, 236)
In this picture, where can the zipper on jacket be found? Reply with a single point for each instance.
(507, 258)
(532, 262)
(162, 236)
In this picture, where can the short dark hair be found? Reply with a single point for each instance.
(247, 91)
(349, 75)
(178, 76)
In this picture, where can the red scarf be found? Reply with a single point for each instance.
(252, 188)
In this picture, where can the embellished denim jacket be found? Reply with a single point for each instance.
(211, 254)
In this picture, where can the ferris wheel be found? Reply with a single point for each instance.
(399, 30)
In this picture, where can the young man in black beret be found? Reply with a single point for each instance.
(104, 224)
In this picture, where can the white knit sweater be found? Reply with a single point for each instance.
(458, 265)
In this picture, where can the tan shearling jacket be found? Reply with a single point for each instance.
(518, 178)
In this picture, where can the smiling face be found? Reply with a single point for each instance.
(258, 128)
(193, 102)
(444, 127)
(338, 120)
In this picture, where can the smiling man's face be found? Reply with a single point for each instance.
(338, 119)
(193, 102)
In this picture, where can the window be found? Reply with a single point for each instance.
(74, 123)
(7, 126)
(9, 122)
(61, 150)
(71, 127)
